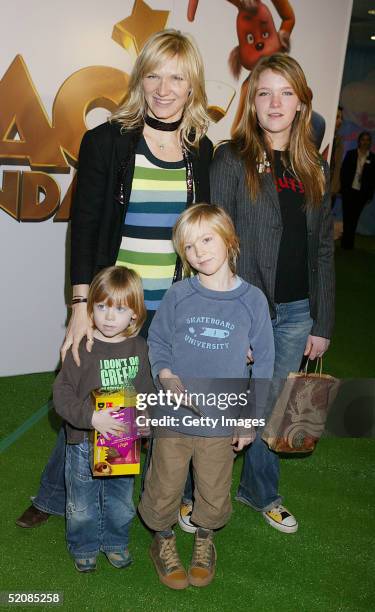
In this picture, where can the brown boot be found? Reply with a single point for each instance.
(167, 563)
(202, 567)
(32, 517)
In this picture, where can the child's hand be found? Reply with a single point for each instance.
(239, 442)
(249, 357)
(144, 430)
(171, 382)
(106, 424)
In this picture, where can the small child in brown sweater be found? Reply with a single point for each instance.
(99, 511)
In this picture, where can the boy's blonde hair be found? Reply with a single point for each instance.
(119, 286)
(220, 222)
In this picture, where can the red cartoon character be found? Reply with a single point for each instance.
(256, 31)
(257, 34)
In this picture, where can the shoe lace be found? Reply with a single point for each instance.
(169, 554)
(202, 552)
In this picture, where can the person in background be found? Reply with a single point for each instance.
(357, 186)
(136, 174)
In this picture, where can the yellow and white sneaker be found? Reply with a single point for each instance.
(184, 516)
(280, 518)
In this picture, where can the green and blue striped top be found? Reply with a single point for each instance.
(157, 198)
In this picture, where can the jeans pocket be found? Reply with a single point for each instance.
(80, 486)
(83, 469)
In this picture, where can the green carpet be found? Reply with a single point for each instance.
(351, 353)
(327, 566)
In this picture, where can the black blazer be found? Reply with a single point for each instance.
(348, 170)
(97, 216)
(259, 227)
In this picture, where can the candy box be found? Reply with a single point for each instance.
(117, 455)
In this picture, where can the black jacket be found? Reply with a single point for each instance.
(97, 216)
(348, 170)
(259, 227)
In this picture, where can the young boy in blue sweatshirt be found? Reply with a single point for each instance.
(204, 329)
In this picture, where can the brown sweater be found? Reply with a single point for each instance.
(108, 366)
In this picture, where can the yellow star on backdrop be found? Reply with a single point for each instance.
(132, 32)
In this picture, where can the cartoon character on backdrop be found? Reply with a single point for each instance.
(258, 37)
(257, 34)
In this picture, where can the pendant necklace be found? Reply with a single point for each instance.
(264, 165)
(163, 127)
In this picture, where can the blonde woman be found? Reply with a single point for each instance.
(136, 174)
(272, 181)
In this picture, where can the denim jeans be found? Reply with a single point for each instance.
(261, 472)
(51, 496)
(99, 511)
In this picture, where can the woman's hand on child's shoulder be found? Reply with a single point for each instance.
(79, 326)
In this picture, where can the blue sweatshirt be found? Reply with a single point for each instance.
(199, 333)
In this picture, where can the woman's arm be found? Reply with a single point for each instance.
(318, 340)
(79, 326)
(224, 180)
(85, 223)
(87, 209)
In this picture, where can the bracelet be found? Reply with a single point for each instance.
(79, 300)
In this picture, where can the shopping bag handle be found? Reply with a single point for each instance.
(318, 365)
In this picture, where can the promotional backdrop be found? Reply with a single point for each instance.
(63, 69)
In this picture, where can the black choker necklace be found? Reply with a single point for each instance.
(162, 125)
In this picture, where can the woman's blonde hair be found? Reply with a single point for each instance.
(160, 47)
(119, 286)
(252, 144)
(220, 222)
